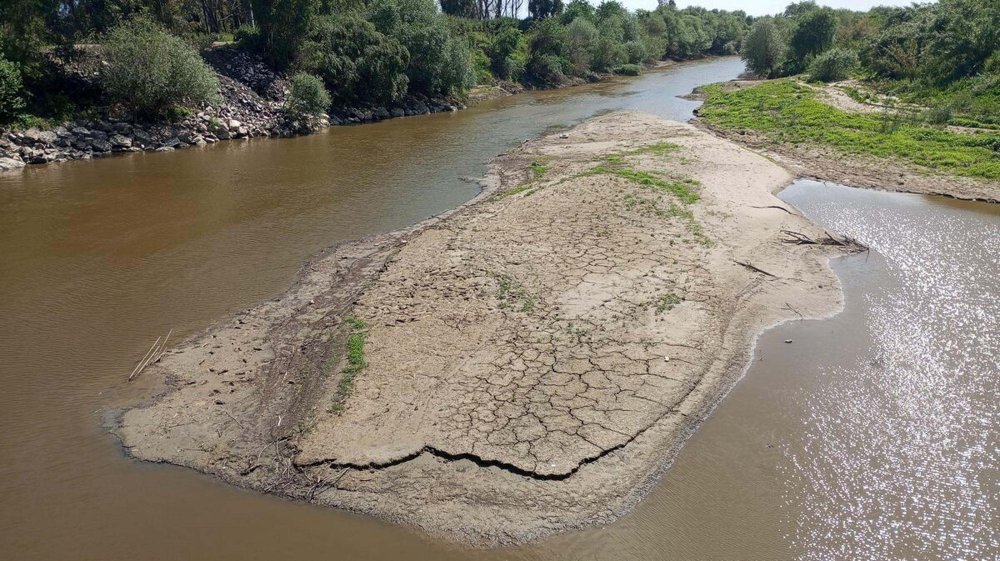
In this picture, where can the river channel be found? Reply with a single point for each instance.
(873, 434)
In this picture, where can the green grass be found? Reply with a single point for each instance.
(657, 149)
(683, 189)
(355, 363)
(538, 169)
(513, 296)
(666, 302)
(787, 112)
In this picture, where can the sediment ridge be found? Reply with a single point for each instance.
(527, 363)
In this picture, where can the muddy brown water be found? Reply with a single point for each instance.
(872, 433)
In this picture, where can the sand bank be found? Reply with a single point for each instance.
(531, 362)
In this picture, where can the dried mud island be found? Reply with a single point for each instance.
(527, 363)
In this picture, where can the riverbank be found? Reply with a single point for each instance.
(527, 363)
(820, 132)
(253, 98)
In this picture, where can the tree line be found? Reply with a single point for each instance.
(361, 51)
(930, 44)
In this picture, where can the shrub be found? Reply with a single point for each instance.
(629, 70)
(546, 70)
(356, 61)
(833, 65)
(11, 100)
(608, 54)
(148, 70)
(506, 59)
(580, 37)
(763, 48)
(635, 52)
(308, 97)
(248, 37)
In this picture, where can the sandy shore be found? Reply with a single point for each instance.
(533, 360)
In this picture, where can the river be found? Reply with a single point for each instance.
(872, 428)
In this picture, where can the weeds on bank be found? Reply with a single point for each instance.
(355, 363)
(512, 295)
(538, 169)
(788, 112)
(683, 189)
(657, 149)
(666, 302)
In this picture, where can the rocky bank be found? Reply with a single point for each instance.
(252, 95)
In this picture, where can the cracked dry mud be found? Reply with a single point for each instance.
(533, 360)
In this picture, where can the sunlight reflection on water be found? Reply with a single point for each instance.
(900, 445)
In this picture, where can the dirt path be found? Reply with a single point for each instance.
(531, 363)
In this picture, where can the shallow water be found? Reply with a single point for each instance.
(100, 257)
(873, 435)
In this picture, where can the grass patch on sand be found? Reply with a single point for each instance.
(355, 359)
(657, 149)
(513, 296)
(683, 189)
(788, 112)
(666, 302)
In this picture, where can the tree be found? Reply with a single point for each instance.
(355, 60)
(148, 70)
(578, 9)
(539, 9)
(459, 8)
(813, 33)
(581, 35)
(284, 25)
(763, 47)
(11, 100)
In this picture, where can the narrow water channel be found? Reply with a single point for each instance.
(97, 258)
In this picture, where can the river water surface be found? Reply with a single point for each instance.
(873, 434)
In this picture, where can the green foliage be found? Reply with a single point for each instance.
(763, 48)
(354, 363)
(148, 70)
(11, 92)
(787, 112)
(629, 70)
(581, 38)
(833, 65)
(284, 25)
(355, 60)
(308, 97)
(539, 9)
(578, 9)
(505, 53)
(813, 34)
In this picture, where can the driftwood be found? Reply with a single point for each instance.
(750, 266)
(798, 238)
(775, 206)
(152, 355)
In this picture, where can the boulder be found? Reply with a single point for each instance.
(100, 145)
(10, 164)
(234, 125)
(119, 142)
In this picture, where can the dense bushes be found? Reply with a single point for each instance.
(11, 100)
(148, 70)
(835, 64)
(308, 96)
(355, 60)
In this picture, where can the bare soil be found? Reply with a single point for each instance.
(533, 359)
